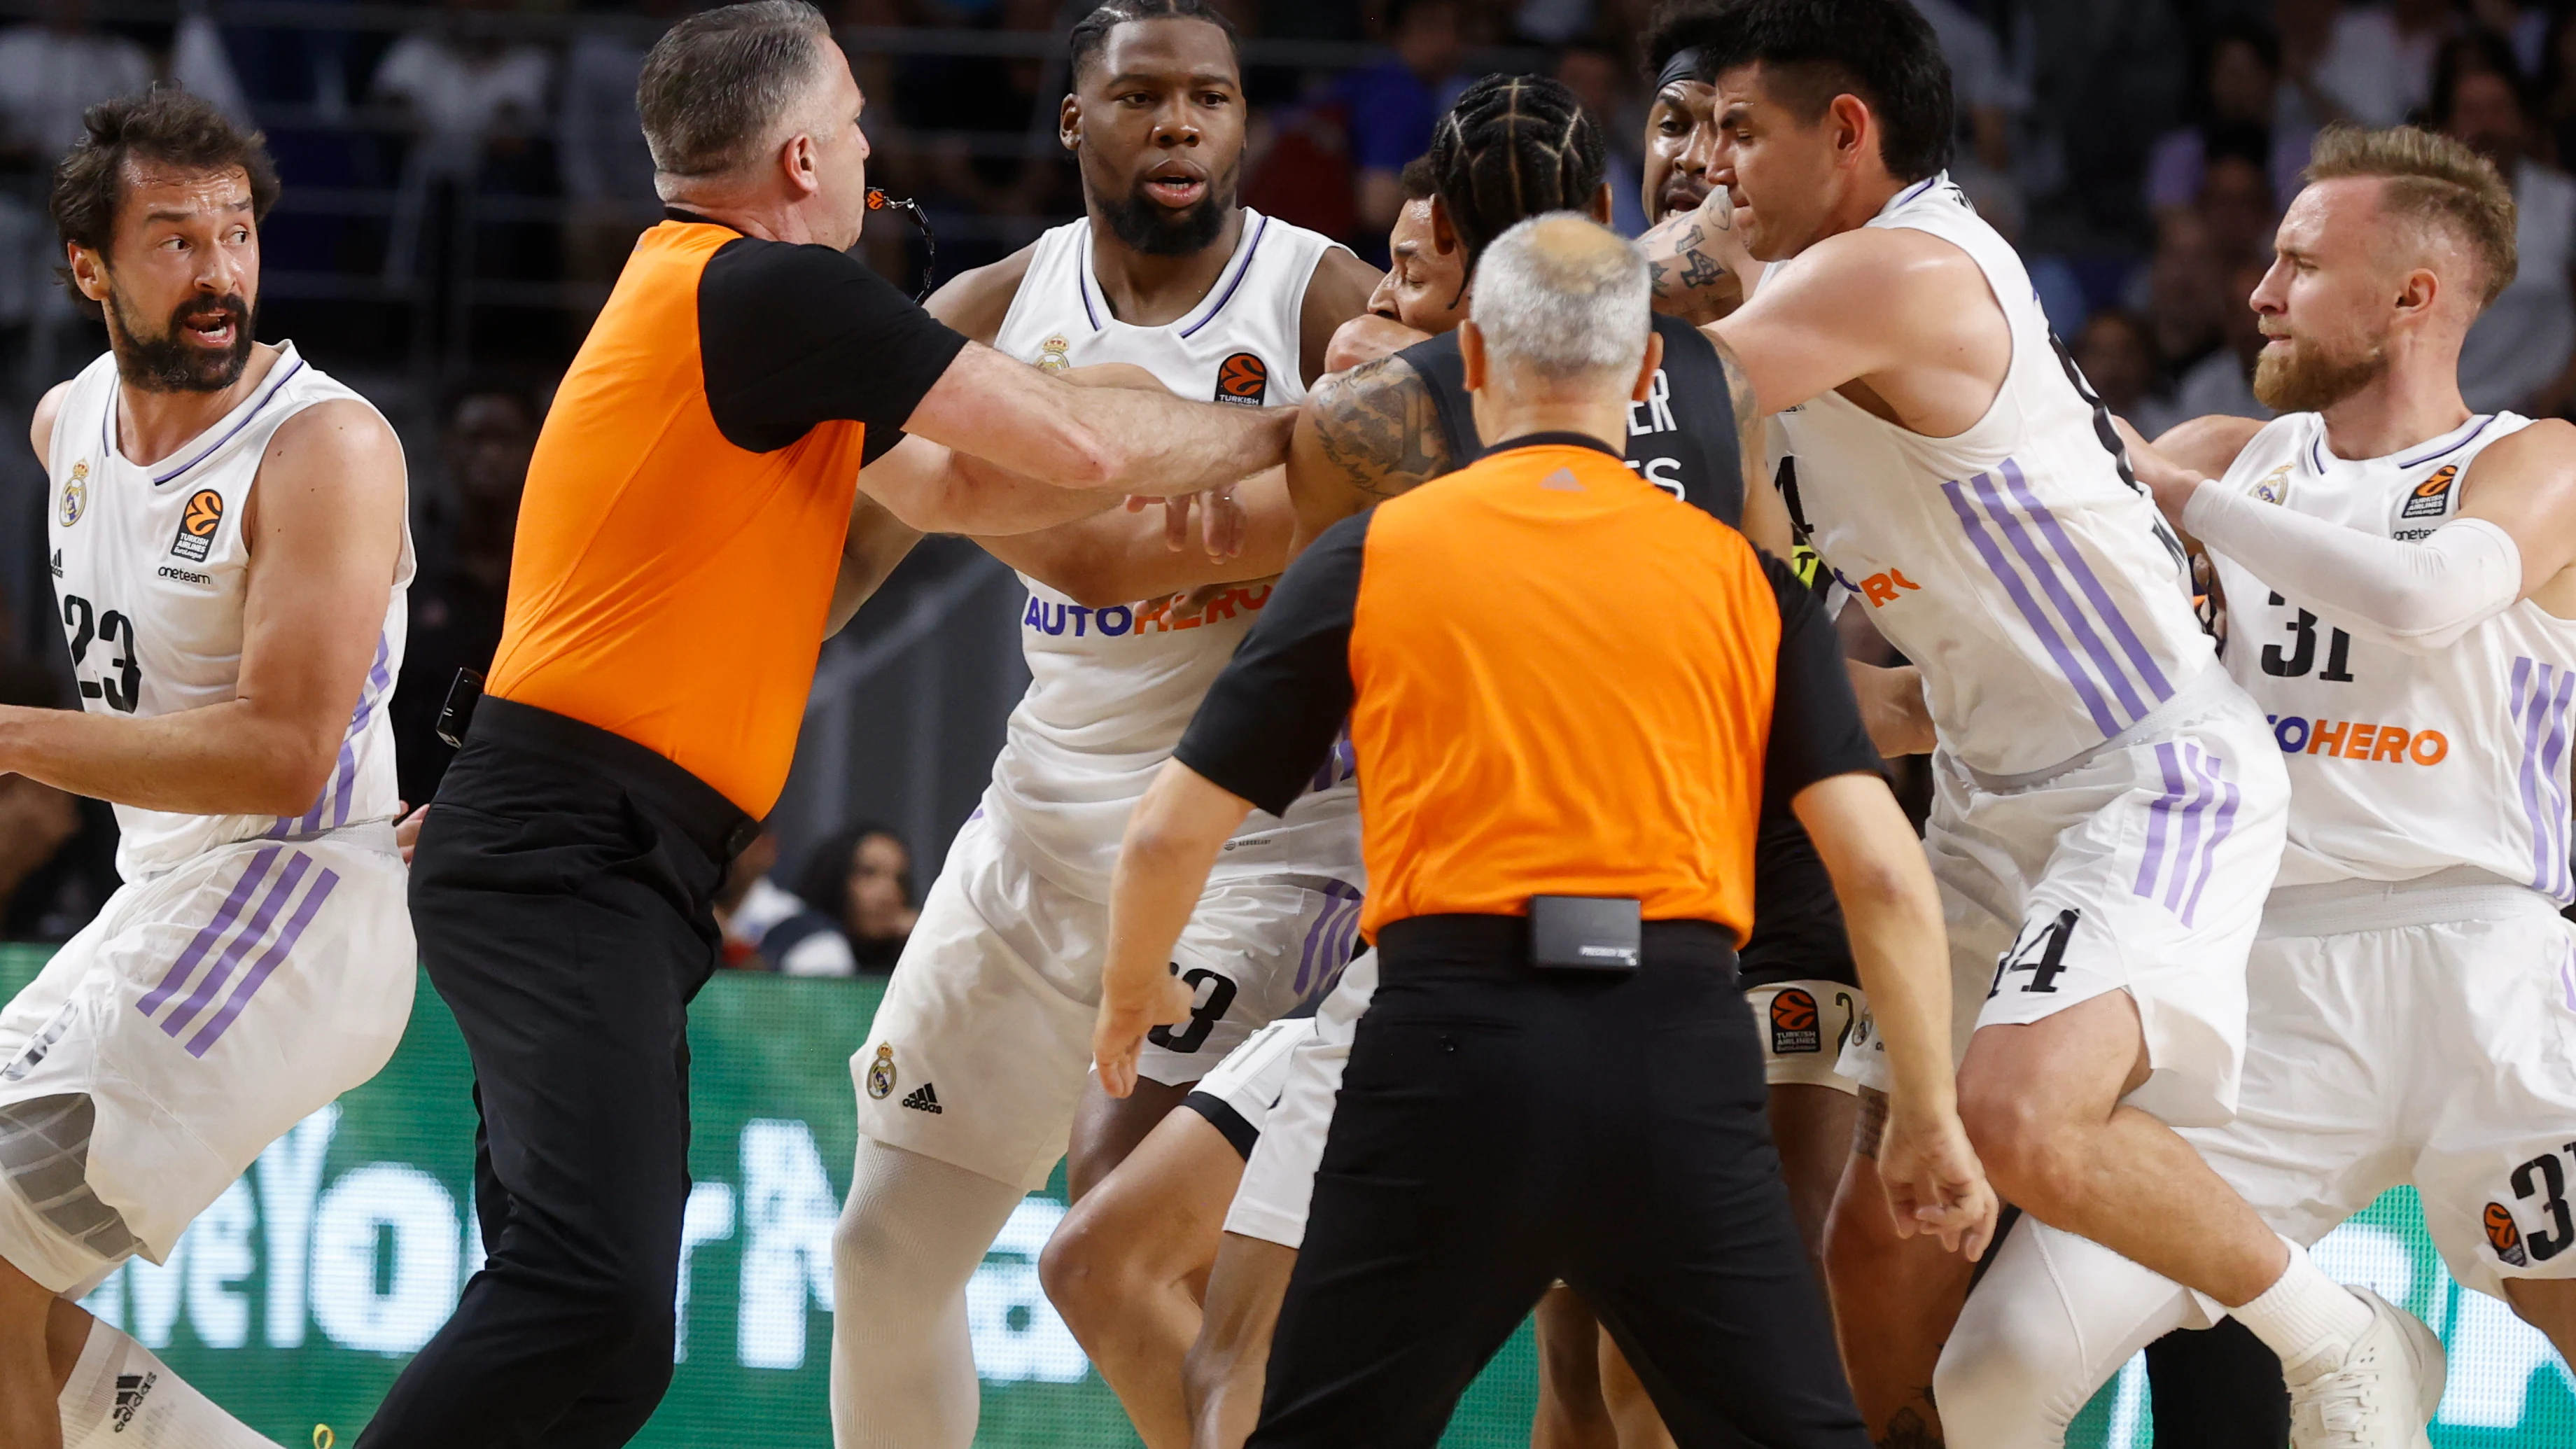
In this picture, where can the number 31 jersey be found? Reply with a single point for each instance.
(150, 574)
(2403, 763)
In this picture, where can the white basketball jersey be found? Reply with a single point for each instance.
(2047, 604)
(150, 569)
(1111, 689)
(2402, 764)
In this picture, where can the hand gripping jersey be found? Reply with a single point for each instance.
(1112, 688)
(2402, 764)
(151, 570)
(2046, 602)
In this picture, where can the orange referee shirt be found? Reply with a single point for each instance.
(1559, 679)
(691, 490)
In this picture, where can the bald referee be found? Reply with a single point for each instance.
(1567, 693)
(687, 537)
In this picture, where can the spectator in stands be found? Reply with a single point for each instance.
(2236, 199)
(56, 849)
(457, 600)
(599, 147)
(2557, 87)
(858, 886)
(50, 73)
(1607, 88)
(2238, 109)
(1990, 97)
(465, 89)
(2519, 353)
(1391, 107)
(2378, 61)
(2184, 298)
(748, 905)
(2118, 357)
(2223, 381)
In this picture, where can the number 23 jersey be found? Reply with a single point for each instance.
(150, 576)
(2403, 763)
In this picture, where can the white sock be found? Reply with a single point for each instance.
(912, 1234)
(2307, 1318)
(121, 1394)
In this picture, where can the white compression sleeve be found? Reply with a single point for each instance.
(910, 1239)
(2415, 596)
(120, 1394)
(2052, 1321)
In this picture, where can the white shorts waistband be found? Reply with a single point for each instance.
(2342, 908)
(2194, 699)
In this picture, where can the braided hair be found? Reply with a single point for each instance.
(1512, 147)
(1091, 32)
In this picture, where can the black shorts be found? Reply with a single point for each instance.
(1797, 923)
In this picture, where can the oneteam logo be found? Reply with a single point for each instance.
(2384, 744)
(1154, 616)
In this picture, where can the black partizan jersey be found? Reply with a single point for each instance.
(1681, 438)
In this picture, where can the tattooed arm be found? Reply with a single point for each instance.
(1363, 436)
(1697, 263)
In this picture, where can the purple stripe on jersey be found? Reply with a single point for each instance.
(274, 388)
(2152, 864)
(2475, 426)
(1239, 274)
(2090, 583)
(2532, 682)
(1082, 286)
(262, 917)
(378, 679)
(212, 932)
(2052, 582)
(1330, 934)
(2002, 569)
(2215, 770)
(267, 963)
(2567, 977)
(2552, 776)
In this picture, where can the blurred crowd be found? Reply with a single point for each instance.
(2138, 151)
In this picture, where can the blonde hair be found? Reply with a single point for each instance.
(2433, 181)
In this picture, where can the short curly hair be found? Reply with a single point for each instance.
(164, 125)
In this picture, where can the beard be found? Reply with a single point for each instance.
(169, 362)
(2303, 378)
(1145, 225)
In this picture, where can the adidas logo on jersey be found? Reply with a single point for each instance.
(924, 1098)
(58, 563)
(130, 1391)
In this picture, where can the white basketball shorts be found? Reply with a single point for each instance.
(979, 1051)
(2141, 866)
(207, 1010)
(2422, 1034)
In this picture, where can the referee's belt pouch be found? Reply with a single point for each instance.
(1585, 933)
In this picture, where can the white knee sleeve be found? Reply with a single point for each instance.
(2051, 1322)
(910, 1238)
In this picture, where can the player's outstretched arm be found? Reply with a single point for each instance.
(1172, 839)
(1120, 556)
(1021, 419)
(1696, 262)
(324, 524)
(1883, 307)
(1362, 437)
(1933, 1179)
(877, 541)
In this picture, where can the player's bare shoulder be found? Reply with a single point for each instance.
(40, 428)
(2207, 445)
(337, 457)
(976, 302)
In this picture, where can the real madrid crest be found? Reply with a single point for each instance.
(881, 1074)
(75, 493)
(1051, 356)
(2275, 485)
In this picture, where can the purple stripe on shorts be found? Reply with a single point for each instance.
(2002, 569)
(2530, 699)
(267, 962)
(2219, 830)
(2153, 864)
(2053, 583)
(2090, 583)
(1331, 931)
(262, 917)
(2187, 845)
(207, 936)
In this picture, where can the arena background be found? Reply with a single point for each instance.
(298, 1296)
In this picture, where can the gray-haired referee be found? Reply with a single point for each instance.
(1568, 694)
(686, 541)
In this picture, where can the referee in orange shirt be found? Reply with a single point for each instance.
(1567, 694)
(686, 540)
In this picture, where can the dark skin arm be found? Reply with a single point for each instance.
(1363, 436)
(1339, 291)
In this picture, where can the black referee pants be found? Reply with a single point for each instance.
(1501, 1127)
(561, 895)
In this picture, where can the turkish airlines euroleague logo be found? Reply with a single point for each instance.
(196, 536)
(1793, 1023)
(1242, 379)
(2432, 497)
(2504, 1236)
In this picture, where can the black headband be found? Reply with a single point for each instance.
(1684, 66)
